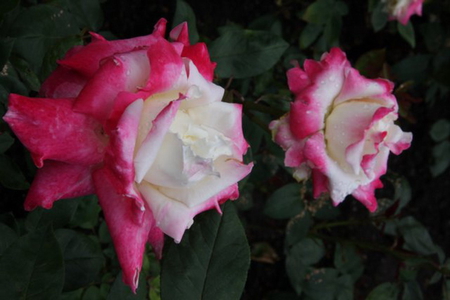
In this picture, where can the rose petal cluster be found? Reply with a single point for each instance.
(139, 123)
(402, 10)
(340, 128)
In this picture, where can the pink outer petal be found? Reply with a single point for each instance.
(297, 80)
(282, 136)
(120, 150)
(87, 60)
(126, 72)
(57, 180)
(180, 34)
(147, 152)
(313, 100)
(128, 234)
(51, 130)
(63, 83)
(366, 194)
(199, 55)
(160, 28)
(165, 65)
(320, 183)
(414, 8)
(122, 101)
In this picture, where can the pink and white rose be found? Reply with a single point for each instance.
(139, 123)
(340, 128)
(402, 10)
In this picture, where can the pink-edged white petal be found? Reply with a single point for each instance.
(58, 180)
(282, 135)
(199, 55)
(174, 217)
(121, 73)
(198, 90)
(397, 140)
(147, 152)
(366, 194)
(231, 171)
(88, 59)
(51, 130)
(357, 87)
(128, 234)
(346, 126)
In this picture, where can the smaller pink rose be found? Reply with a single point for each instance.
(402, 10)
(340, 128)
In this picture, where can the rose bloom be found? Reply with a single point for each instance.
(139, 123)
(402, 10)
(340, 128)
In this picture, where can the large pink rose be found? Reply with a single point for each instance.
(139, 123)
(402, 10)
(340, 129)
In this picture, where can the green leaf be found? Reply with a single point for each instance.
(441, 158)
(184, 13)
(155, 289)
(211, 262)
(57, 51)
(37, 28)
(246, 53)
(309, 251)
(32, 267)
(379, 17)
(267, 22)
(83, 258)
(433, 35)
(120, 291)
(412, 291)
(7, 5)
(58, 216)
(413, 68)
(285, 202)
(332, 30)
(347, 261)
(321, 284)
(298, 228)
(416, 236)
(86, 215)
(407, 33)
(11, 176)
(402, 193)
(318, 12)
(91, 293)
(440, 130)
(7, 237)
(344, 291)
(88, 12)
(310, 34)
(26, 73)
(371, 63)
(6, 141)
(385, 291)
(6, 46)
(75, 295)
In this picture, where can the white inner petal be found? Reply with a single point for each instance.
(345, 126)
